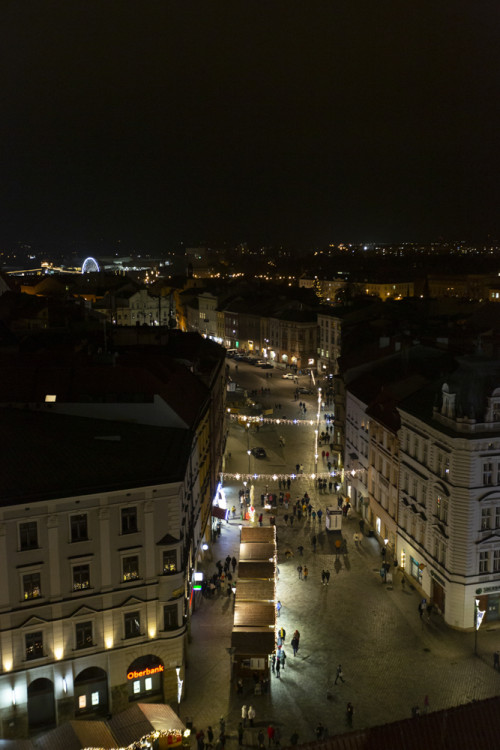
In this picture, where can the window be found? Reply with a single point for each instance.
(78, 524)
(485, 519)
(31, 586)
(442, 509)
(94, 698)
(129, 520)
(130, 568)
(28, 535)
(169, 561)
(484, 562)
(424, 454)
(81, 577)
(497, 517)
(34, 645)
(83, 632)
(132, 624)
(487, 473)
(496, 560)
(170, 617)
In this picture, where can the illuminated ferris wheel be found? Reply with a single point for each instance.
(90, 265)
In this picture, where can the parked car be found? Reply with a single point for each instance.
(288, 376)
(305, 391)
(259, 453)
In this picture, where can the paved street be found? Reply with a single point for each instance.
(391, 659)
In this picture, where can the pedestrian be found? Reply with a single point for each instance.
(282, 658)
(244, 715)
(349, 713)
(285, 518)
(340, 674)
(355, 538)
(273, 662)
(278, 608)
(299, 571)
(240, 734)
(295, 645)
(200, 739)
(210, 736)
(261, 517)
(251, 715)
(320, 514)
(323, 577)
(278, 667)
(291, 521)
(297, 635)
(327, 576)
(294, 738)
(277, 737)
(319, 731)
(305, 572)
(282, 634)
(496, 660)
(270, 735)
(301, 549)
(234, 563)
(260, 739)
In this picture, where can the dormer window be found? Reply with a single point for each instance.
(448, 405)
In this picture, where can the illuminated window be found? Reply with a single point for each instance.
(148, 683)
(81, 577)
(34, 645)
(82, 701)
(137, 686)
(95, 698)
(50, 399)
(130, 568)
(31, 586)
(169, 561)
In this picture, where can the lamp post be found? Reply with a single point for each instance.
(249, 454)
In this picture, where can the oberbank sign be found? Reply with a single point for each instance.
(145, 672)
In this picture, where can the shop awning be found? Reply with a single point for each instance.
(219, 512)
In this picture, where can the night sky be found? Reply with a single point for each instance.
(156, 122)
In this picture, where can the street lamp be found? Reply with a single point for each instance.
(249, 454)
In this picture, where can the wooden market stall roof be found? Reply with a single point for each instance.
(254, 614)
(263, 571)
(257, 551)
(253, 642)
(258, 534)
(255, 591)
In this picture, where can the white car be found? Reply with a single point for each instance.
(288, 376)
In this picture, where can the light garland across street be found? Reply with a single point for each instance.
(266, 420)
(275, 477)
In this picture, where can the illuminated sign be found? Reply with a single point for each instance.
(144, 672)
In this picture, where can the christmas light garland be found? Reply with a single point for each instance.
(340, 475)
(267, 420)
(173, 736)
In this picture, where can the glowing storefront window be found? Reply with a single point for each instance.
(95, 698)
(82, 701)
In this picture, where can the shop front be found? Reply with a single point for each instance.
(145, 679)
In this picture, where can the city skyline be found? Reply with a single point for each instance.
(163, 123)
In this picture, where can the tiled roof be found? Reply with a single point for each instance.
(74, 455)
(474, 726)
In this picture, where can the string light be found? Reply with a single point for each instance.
(267, 420)
(275, 477)
(174, 736)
